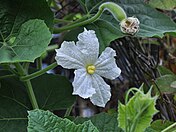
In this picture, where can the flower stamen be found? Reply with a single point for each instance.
(91, 69)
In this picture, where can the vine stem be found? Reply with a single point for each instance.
(28, 86)
(38, 73)
(169, 127)
(68, 111)
(7, 76)
(129, 91)
(71, 26)
(31, 94)
(20, 69)
(117, 12)
(52, 47)
(39, 63)
(61, 21)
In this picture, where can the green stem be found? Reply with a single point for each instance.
(169, 127)
(71, 26)
(127, 95)
(38, 73)
(83, 18)
(115, 10)
(26, 66)
(68, 111)
(39, 63)
(20, 69)
(52, 47)
(57, 21)
(28, 86)
(7, 76)
(31, 94)
(168, 39)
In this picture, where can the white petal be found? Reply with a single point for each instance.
(103, 94)
(82, 84)
(106, 65)
(69, 56)
(89, 45)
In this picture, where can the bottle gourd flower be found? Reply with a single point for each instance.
(83, 56)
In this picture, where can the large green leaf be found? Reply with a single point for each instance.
(164, 83)
(52, 92)
(14, 105)
(45, 121)
(30, 42)
(19, 43)
(13, 13)
(163, 4)
(137, 114)
(104, 122)
(153, 22)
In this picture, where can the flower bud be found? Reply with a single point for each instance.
(130, 25)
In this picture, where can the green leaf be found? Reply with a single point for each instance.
(163, 4)
(160, 125)
(30, 42)
(15, 12)
(173, 84)
(46, 121)
(103, 121)
(164, 71)
(14, 105)
(137, 114)
(53, 92)
(153, 22)
(164, 83)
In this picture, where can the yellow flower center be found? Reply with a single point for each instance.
(91, 69)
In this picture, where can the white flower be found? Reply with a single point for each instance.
(83, 56)
(130, 25)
